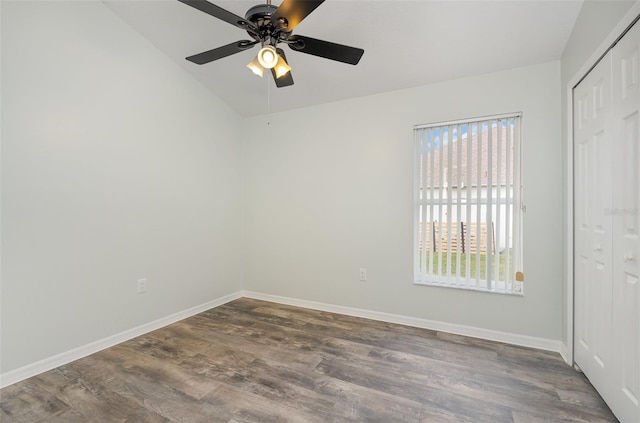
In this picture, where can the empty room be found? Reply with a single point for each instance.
(320, 211)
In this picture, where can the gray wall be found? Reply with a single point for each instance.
(115, 165)
(328, 190)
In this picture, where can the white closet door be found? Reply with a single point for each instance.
(626, 226)
(593, 227)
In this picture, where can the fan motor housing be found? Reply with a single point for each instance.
(267, 32)
(260, 14)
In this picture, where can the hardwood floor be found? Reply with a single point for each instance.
(254, 361)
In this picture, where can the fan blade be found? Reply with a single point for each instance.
(220, 13)
(285, 80)
(220, 52)
(332, 51)
(291, 12)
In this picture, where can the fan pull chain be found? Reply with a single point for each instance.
(268, 95)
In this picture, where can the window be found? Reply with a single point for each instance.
(468, 204)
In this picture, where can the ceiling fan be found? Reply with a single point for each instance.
(270, 25)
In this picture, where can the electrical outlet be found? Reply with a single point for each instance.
(142, 285)
(363, 274)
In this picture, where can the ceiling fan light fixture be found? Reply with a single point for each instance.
(268, 57)
(256, 67)
(282, 67)
(269, 25)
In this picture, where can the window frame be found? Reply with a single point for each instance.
(514, 275)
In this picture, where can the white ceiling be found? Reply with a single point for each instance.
(406, 43)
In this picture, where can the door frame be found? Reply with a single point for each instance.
(618, 31)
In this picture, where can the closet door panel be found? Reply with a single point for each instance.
(626, 228)
(593, 227)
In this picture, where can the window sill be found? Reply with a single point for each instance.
(463, 286)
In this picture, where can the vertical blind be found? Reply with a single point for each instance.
(468, 204)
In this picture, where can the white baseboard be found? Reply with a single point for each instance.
(566, 355)
(30, 370)
(474, 332)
